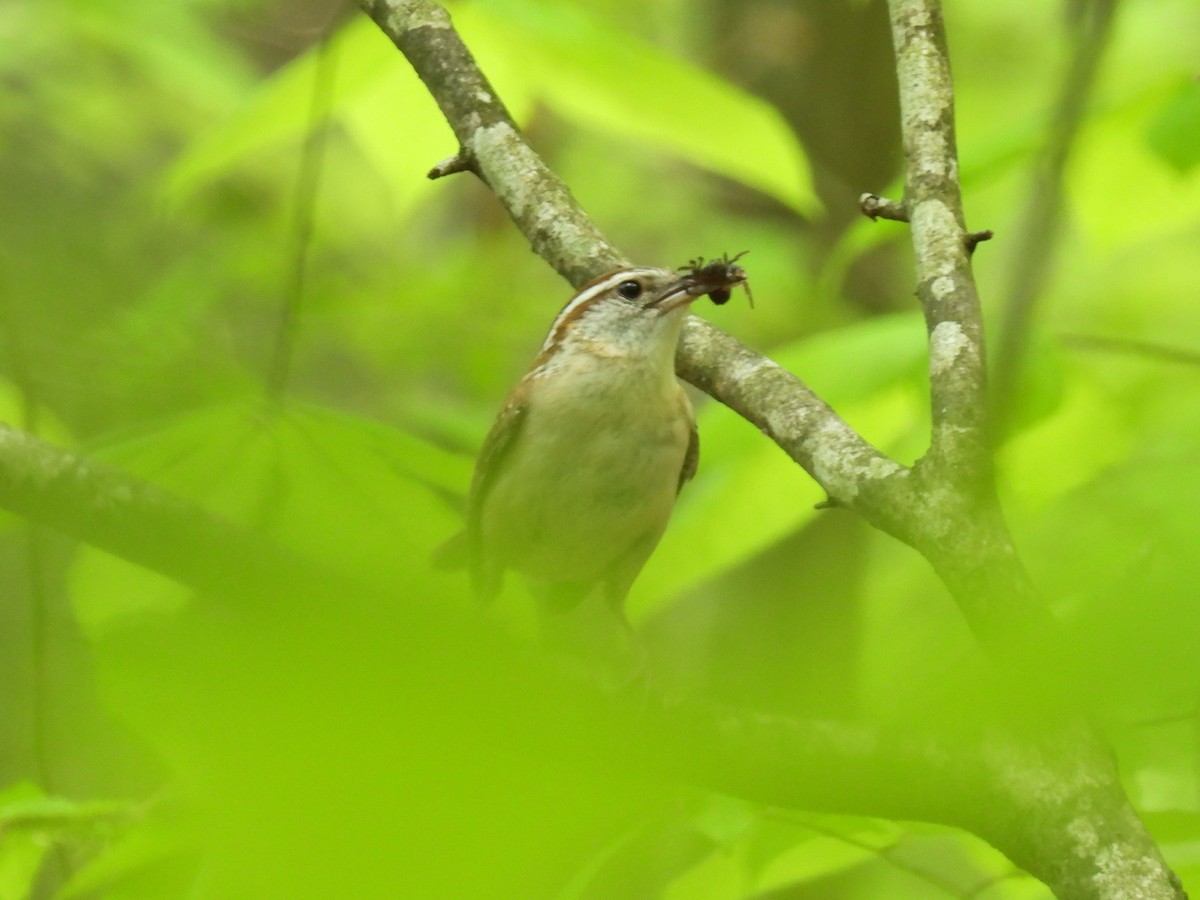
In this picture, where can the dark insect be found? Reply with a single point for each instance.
(722, 273)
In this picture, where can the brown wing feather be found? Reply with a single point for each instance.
(691, 459)
(496, 446)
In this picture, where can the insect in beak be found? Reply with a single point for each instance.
(718, 276)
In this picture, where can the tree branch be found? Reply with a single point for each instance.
(852, 472)
(106, 508)
(1037, 235)
(960, 451)
(1059, 814)
(1051, 804)
(490, 143)
(955, 519)
(1090, 846)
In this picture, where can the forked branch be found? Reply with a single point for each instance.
(945, 506)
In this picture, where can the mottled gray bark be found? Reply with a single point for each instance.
(1051, 800)
(1048, 796)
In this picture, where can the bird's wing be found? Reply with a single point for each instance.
(496, 447)
(691, 459)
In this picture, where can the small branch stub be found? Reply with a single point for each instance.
(875, 207)
(459, 162)
(974, 238)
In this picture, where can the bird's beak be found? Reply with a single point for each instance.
(694, 284)
(679, 293)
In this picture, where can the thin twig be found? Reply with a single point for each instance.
(974, 238)
(1037, 235)
(853, 472)
(459, 162)
(308, 179)
(875, 207)
(1147, 349)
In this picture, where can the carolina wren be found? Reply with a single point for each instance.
(579, 473)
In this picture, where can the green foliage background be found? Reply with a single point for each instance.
(155, 744)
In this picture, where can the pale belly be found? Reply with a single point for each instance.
(598, 484)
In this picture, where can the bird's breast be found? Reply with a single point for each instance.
(595, 469)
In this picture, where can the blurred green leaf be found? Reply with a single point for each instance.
(748, 493)
(1174, 134)
(1158, 761)
(340, 750)
(1118, 556)
(724, 819)
(31, 824)
(817, 857)
(719, 876)
(375, 96)
(1014, 887)
(149, 860)
(22, 847)
(348, 493)
(599, 76)
(26, 802)
(1119, 189)
(1085, 434)
(852, 363)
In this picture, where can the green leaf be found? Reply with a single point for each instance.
(1015, 887)
(819, 856)
(22, 848)
(30, 824)
(1148, 203)
(22, 852)
(352, 494)
(613, 80)
(1174, 134)
(587, 72)
(1084, 435)
(719, 876)
(856, 361)
(723, 819)
(1118, 556)
(376, 97)
(134, 865)
(748, 493)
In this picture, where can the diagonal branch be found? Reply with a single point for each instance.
(490, 143)
(945, 506)
(108, 509)
(1037, 236)
(853, 473)
(936, 513)
(1059, 814)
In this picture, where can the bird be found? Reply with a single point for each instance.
(578, 475)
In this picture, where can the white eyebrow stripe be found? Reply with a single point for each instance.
(606, 283)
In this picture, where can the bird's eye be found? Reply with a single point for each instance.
(630, 290)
